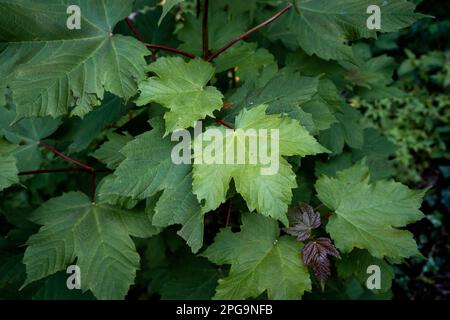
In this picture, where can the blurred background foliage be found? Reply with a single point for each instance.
(417, 121)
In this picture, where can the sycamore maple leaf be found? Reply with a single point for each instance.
(270, 195)
(52, 70)
(369, 215)
(315, 255)
(181, 87)
(261, 260)
(302, 221)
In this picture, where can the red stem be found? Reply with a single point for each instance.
(205, 44)
(83, 166)
(223, 123)
(165, 48)
(67, 158)
(249, 32)
(133, 29)
(320, 206)
(227, 223)
(26, 173)
(327, 216)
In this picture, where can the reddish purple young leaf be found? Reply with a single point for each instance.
(303, 220)
(315, 255)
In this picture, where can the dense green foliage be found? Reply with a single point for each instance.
(417, 122)
(139, 224)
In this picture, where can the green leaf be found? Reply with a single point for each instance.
(148, 169)
(376, 150)
(270, 195)
(12, 270)
(55, 288)
(181, 87)
(194, 279)
(167, 6)
(356, 263)
(238, 7)
(348, 130)
(368, 216)
(27, 134)
(83, 131)
(126, 202)
(285, 92)
(97, 235)
(260, 261)
(325, 27)
(53, 70)
(221, 30)
(372, 76)
(109, 152)
(8, 168)
(178, 205)
(246, 58)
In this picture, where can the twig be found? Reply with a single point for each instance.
(249, 32)
(136, 33)
(320, 206)
(223, 123)
(67, 158)
(133, 29)
(327, 216)
(227, 223)
(26, 173)
(205, 44)
(130, 114)
(165, 48)
(83, 166)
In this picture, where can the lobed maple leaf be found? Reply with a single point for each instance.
(303, 220)
(315, 255)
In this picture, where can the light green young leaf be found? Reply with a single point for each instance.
(181, 87)
(260, 261)
(53, 70)
(270, 195)
(97, 235)
(8, 168)
(369, 215)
